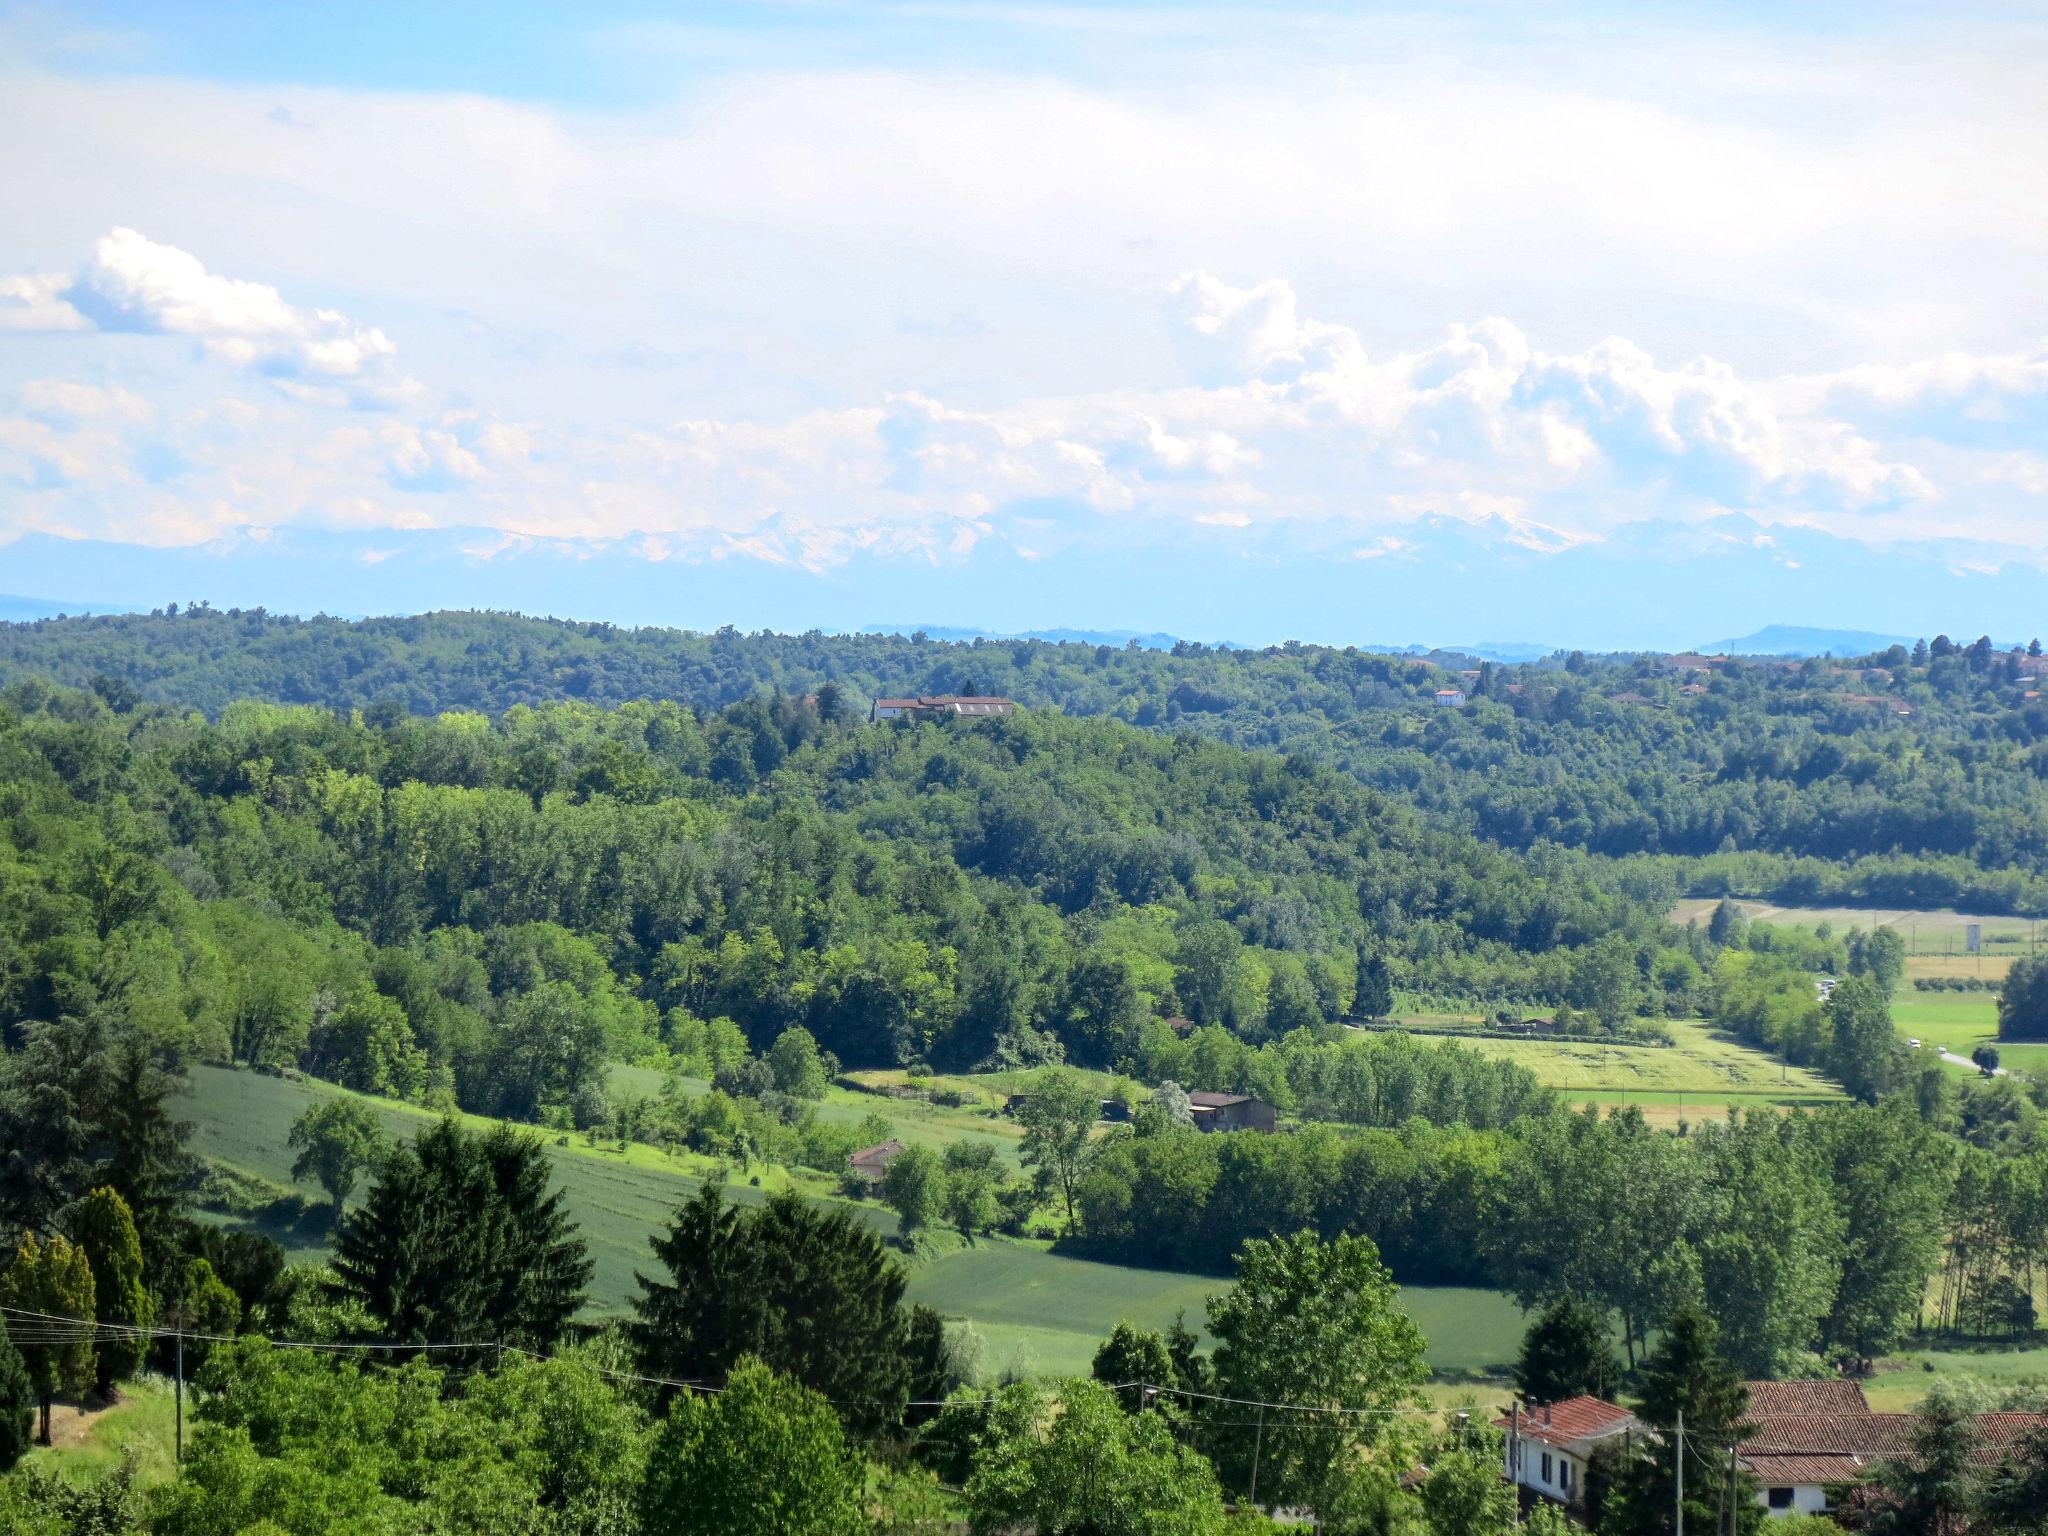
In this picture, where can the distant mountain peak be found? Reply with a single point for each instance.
(1800, 640)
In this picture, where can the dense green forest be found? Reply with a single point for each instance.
(501, 905)
(1910, 778)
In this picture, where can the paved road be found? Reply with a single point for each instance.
(1964, 1061)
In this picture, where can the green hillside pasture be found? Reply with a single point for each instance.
(1029, 1304)
(1902, 1382)
(243, 1118)
(912, 1121)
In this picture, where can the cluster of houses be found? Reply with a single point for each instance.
(933, 706)
(1809, 1443)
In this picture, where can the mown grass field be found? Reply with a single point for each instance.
(1907, 1377)
(1702, 1073)
(1927, 931)
(1044, 1309)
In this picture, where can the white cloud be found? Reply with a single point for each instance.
(1289, 427)
(132, 283)
(37, 304)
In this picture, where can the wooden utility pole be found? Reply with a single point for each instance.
(1258, 1446)
(179, 1375)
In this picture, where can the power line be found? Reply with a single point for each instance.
(47, 1328)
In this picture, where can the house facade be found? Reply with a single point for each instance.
(1450, 698)
(1549, 1444)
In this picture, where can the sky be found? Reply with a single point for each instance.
(1587, 325)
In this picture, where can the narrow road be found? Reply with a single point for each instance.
(1964, 1061)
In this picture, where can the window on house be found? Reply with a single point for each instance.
(1564, 1474)
(1546, 1466)
(1780, 1498)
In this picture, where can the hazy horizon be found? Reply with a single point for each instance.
(1602, 326)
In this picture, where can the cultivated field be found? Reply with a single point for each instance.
(1035, 1307)
(1702, 1072)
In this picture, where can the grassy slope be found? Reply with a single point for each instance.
(1045, 1308)
(140, 1424)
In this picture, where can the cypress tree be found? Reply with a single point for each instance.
(105, 1229)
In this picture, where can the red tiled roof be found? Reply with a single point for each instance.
(1860, 1433)
(876, 1159)
(1815, 1471)
(1871, 1437)
(1767, 1398)
(1573, 1420)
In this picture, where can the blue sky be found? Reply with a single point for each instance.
(1587, 325)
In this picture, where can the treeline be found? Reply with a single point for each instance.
(1900, 779)
(1804, 1236)
(486, 912)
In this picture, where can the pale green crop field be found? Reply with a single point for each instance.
(1029, 1303)
(1702, 1066)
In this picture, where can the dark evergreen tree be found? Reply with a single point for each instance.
(2014, 1500)
(461, 1239)
(17, 1403)
(1568, 1352)
(84, 1104)
(1685, 1377)
(1375, 998)
(1931, 1492)
(809, 1290)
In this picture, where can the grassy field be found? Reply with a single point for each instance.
(1907, 1378)
(1702, 1073)
(1045, 1309)
(87, 1446)
(1926, 931)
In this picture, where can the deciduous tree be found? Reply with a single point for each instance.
(764, 1457)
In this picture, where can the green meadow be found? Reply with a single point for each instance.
(1043, 1310)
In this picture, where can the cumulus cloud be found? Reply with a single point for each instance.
(132, 283)
(1293, 428)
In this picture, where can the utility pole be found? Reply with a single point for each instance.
(1515, 1456)
(1678, 1495)
(1258, 1446)
(1731, 1488)
(180, 1377)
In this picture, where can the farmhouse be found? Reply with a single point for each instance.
(872, 1163)
(931, 706)
(1811, 1439)
(1232, 1112)
(1450, 698)
(1548, 1445)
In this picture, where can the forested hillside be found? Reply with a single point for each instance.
(500, 906)
(1919, 778)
